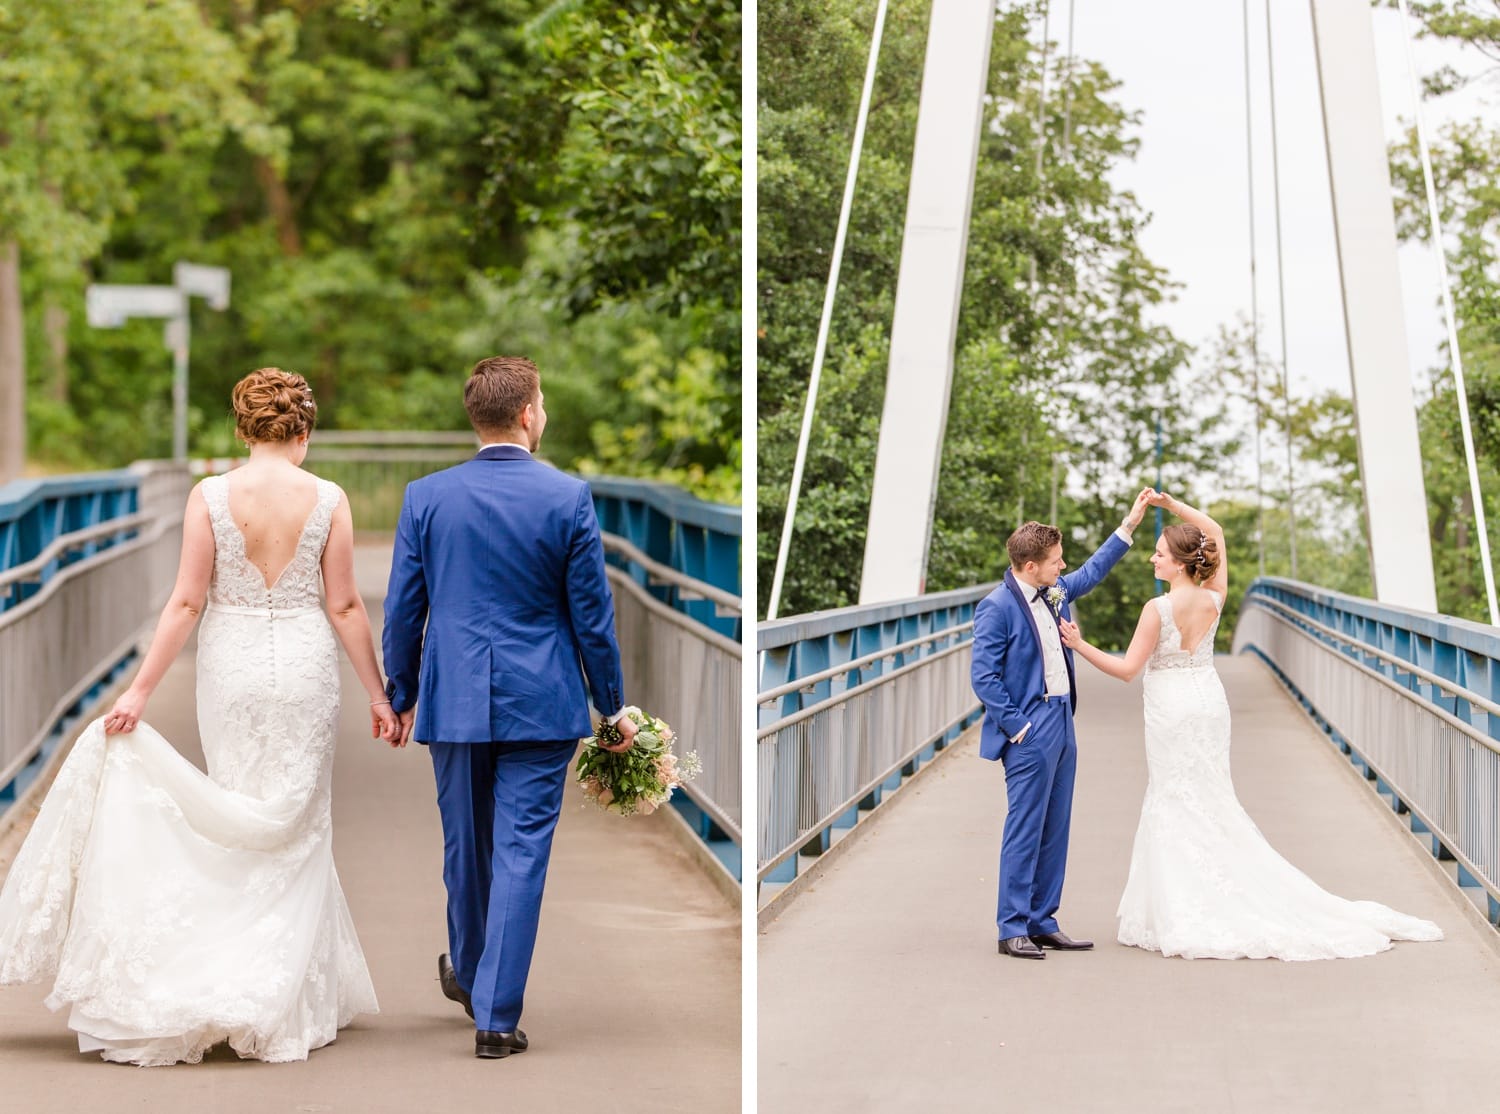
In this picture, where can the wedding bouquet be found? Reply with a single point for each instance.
(641, 779)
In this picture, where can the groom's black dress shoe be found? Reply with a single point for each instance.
(448, 980)
(1022, 948)
(497, 1046)
(1060, 941)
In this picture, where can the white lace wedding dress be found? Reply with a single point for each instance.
(1204, 883)
(175, 910)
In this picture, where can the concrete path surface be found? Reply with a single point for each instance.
(633, 1003)
(881, 989)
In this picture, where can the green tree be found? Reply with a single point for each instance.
(1061, 378)
(401, 187)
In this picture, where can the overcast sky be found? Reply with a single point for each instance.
(1181, 62)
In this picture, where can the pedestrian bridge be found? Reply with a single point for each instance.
(87, 562)
(1364, 747)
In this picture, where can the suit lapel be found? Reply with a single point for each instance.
(1020, 593)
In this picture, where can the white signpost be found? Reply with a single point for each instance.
(110, 305)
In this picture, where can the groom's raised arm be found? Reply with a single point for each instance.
(1086, 579)
(405, 613)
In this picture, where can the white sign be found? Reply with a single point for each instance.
(108, 306)
(208, 283)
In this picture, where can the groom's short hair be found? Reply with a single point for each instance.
(498, 390)
(1032, 541)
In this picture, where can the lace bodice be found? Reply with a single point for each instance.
(1169, 653)
(238, 583)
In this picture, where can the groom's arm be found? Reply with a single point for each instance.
(405, 614)
(987, 670)
(1096, 568)
(591, 610)
(1086, 579)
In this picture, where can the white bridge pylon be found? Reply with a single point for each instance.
(930, 285)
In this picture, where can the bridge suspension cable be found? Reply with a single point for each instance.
(784, 549)
(1260, 512)
(1455, 357)
(1286, 370)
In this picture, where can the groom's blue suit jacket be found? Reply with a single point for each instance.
(498, 605)
(1007, 670)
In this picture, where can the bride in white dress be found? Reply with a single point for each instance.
(177, 911)
(1204, 883)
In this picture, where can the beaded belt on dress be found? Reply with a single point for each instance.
(273, 612)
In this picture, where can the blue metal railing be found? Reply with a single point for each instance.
(35, 513)
(1457, 650)
(701, 540)
(806, 645)
(815, 780)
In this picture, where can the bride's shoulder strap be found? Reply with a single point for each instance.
(329, 494)
(215, 494)
(1218, 600)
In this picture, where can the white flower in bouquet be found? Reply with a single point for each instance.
(638, 780)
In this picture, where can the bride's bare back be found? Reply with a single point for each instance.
(270, 504)
(1194, 613)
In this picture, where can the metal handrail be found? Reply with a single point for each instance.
(1401, 664)
(687, 587)
(34, 568)
(820, 764)
(36, 602)
(859, 690)
(769, 865)
(805, 684)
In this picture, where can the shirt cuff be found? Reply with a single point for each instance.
(1125, 534)
(1021, 734)
(616, 718)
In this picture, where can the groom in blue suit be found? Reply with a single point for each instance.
(1023, 675)
(497, 610)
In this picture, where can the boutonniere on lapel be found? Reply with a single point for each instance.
(1055, 596)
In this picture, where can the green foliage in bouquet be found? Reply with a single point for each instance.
(641, 779)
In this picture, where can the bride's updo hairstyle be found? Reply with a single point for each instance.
(1198, 552)
(273, 405)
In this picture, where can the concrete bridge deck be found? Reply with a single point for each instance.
(881, 990)
(633, 1004)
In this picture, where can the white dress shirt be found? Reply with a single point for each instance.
(1054, 667)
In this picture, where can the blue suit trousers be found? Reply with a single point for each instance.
(1039, 774)
(500, 803)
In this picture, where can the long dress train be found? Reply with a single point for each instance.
(176, 910)
(1203, 882)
